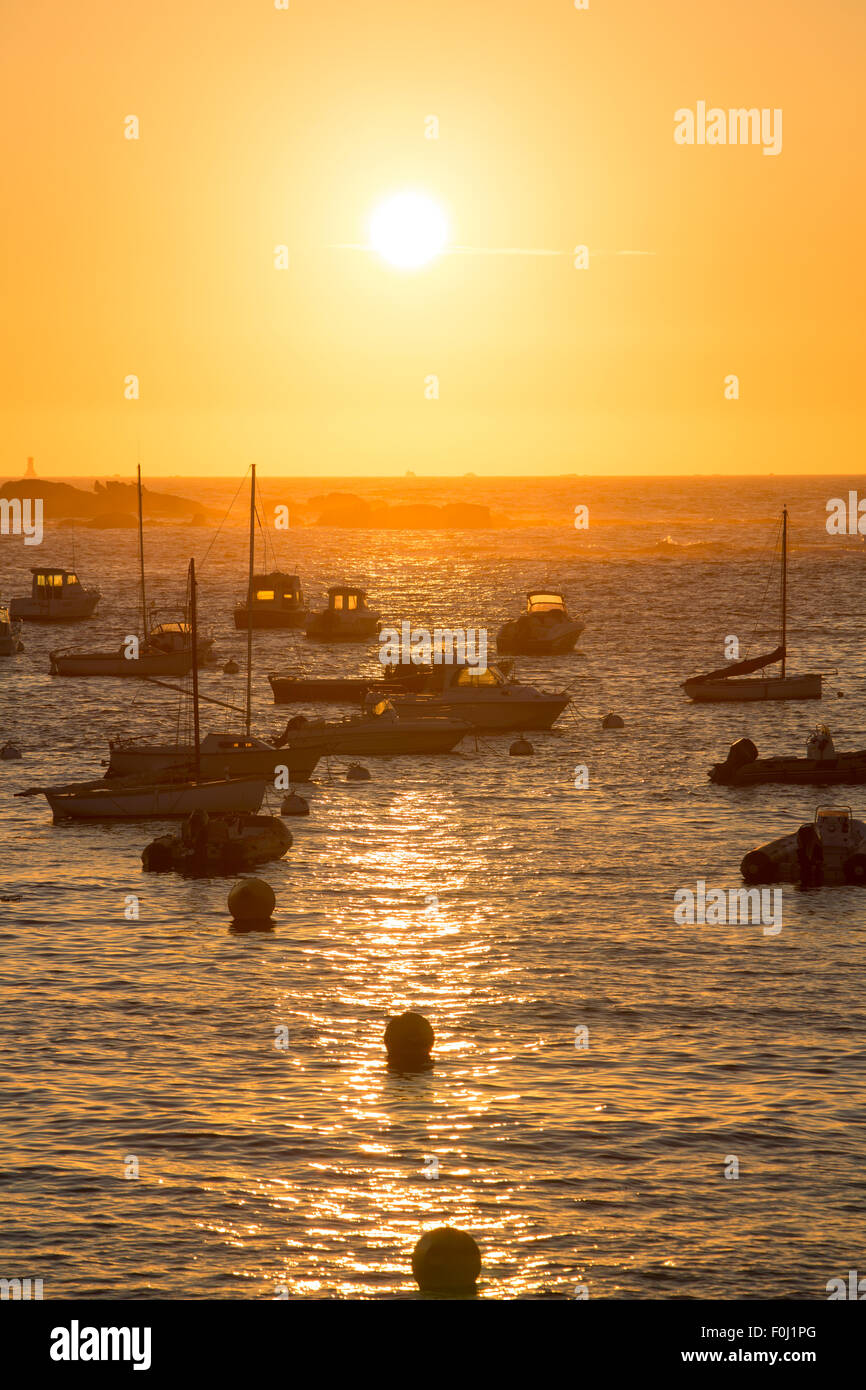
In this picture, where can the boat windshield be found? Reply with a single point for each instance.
(544, 603)
(471, 676)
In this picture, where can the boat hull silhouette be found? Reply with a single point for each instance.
(771, 688)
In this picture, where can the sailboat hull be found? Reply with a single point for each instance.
(773, 688)
(115, 664)
(96, 802)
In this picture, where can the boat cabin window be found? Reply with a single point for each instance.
(471, 677)
(544, 603)
(71, 581)
(49, 580)
(264, 596)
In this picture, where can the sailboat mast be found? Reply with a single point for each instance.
(784, 583)
(144, 631)
(250, 598)
(193, 624)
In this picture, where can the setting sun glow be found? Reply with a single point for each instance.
(408, 230)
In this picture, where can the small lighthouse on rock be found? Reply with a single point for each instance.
(31, 471)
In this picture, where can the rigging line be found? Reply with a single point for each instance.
(224, 520)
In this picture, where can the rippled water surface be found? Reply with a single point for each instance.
(485, 891)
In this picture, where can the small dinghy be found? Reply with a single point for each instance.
(832, 850)
(218, 844)
(821, 767)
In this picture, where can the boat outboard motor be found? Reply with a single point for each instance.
(810, 856)
(740, 753)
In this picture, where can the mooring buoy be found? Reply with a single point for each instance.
(446, 1260)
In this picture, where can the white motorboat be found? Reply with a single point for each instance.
(487, 699)
(10, 633)
(382, 733)
(736, 682)
(56, 596)
(347, 617)
(545, 628)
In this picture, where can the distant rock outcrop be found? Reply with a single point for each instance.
(346, 509)
(109, 504)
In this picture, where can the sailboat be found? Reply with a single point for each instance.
(135, 799)
(229, 754)
(165, 649)
(725, 684)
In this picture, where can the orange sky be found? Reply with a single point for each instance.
(261, 127)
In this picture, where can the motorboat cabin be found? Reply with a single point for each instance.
(347, 618)
(56, 596)
(277, 602)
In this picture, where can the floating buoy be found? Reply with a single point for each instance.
(521, 748)
(231, 668)
(10, 750)
(446, 1261)
(357, 773)
(251, 900)
(294, 805)
(612, 721)
(409, 1040)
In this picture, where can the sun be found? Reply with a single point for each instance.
(408, 230)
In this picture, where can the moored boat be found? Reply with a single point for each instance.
(218, 844)
(221, 755)
(736, 682)
(830, 850)
(489, 699)
(823, 766)
(56, 596)
(347, 617)
(164, 649)
(545, 628)
(381, 732)
(275, 600)
(290, 689)
(132, 799)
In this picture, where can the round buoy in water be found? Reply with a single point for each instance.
(521, 748)
(251, 900)
(231, 668)
(612, 721)
(446, 1261)
(357, 773)
(9, 751)
(294, 805)
(409, 1040)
